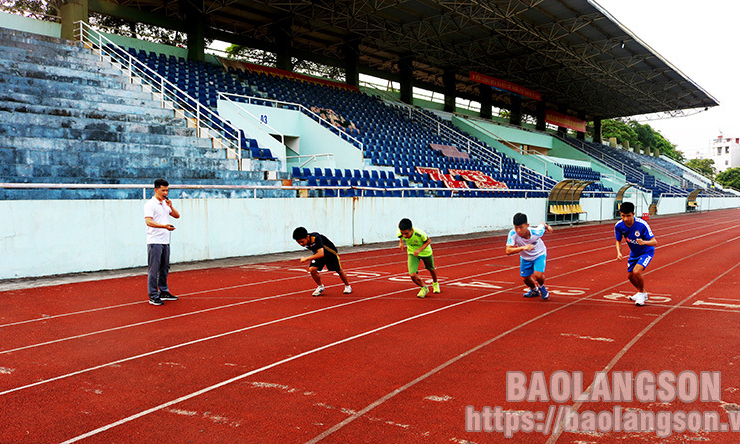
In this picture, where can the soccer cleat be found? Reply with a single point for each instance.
(318, 291)
(640, 299)
(533, 293)
(156, 301)
(544, 293)
(435, 287)
(167, 296)
(423, 292)
(347, 289)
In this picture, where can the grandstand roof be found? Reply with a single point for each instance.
(571, 51)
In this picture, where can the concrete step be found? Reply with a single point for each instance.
(140, 107)
(112, 148)
(78, 92)
(86, 61)
(28, 109)
(77, 101)
(23, 76)
(8, 80)
(73, 71)
(12, 37)
(99, 134)
(19, 118)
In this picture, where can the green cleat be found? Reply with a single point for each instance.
(435, 286)
(423, 292)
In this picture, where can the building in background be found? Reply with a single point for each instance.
(725, 151)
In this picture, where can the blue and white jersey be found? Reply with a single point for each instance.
(535, 238)
(639, 230)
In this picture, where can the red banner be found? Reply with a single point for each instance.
(566, 121)
(506, 86)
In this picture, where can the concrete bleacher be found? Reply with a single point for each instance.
(631, 168)
(67, 117)
(390, 139)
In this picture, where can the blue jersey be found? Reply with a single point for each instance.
(639, 230)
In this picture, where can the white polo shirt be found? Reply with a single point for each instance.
(160, 213)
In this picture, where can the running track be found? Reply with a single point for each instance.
(247, 355)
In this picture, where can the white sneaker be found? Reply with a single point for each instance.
(640, 299)
(634, 297)
(318, 291)
(347, 289)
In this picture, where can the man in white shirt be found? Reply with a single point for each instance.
(157, 212)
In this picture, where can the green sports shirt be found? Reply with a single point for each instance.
(416, 240)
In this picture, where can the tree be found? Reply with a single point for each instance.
(619, 129)
(645, 134)
(703, 166)
(730, 178)
(38, 9)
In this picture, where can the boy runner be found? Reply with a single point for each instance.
(325, 254)
(418, 247)
(532, 254)
(642, 244)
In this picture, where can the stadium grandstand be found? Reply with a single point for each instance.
(91, 118)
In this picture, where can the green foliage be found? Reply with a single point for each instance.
(639, 135)
(704, 166)
(39, 9)
(730, 178)
(619, 129)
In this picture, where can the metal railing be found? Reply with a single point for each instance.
(282, 104)
(243, 111)
(311, 158)
(405, 191)
(477, 149)
(612, 162)
(168, 94)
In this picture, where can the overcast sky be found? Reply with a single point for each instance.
(701, 39)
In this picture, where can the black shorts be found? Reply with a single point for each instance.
(330, 261)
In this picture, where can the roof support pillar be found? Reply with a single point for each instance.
(515, 117)
(597, 131)
(541, 113)
(351, 51)
(448, 79)
(71, 12)
(580, 135)
(283, 31)
(486, 102)
(406, 72)
(195, 28)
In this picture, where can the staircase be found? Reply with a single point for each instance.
(67, 117)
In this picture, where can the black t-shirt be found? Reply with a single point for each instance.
(321, 241)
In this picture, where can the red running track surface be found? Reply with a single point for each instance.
(247, 355)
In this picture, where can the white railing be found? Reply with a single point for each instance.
(279, 103)
(477, 149)
(613, 162)
(362, 190)
(311, 158)
(243, 111)
(168, 94)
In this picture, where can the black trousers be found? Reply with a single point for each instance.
(159, 268)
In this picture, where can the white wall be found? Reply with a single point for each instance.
(39, 238)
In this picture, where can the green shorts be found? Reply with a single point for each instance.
(414, 263)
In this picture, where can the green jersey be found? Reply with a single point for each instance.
(417, 239)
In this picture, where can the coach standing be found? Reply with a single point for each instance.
(157, 212)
